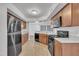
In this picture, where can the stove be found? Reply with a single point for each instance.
(51, 44)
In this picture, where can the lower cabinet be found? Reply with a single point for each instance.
(66, 49)
(58, 48)
(24, 38)
(43, 38)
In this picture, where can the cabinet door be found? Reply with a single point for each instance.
(24, 38)
(66, 16)
(45, 41)
(57, 48)
(75, 14)
(40, 38)
(23, 25)
(43, 38)
(70, 49)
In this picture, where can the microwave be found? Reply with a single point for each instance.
(63, 34)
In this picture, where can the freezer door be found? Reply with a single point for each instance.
(11, 46)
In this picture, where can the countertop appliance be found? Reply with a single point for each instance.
(63, 34)
(51, 44)
(14, 36)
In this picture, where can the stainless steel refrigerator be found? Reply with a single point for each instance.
(14, 35)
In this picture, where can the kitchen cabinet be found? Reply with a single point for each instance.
(66, 16)
(56, 16)
(66, 49)
(24, 38)
(69, 15)
(43, 38)
(57, 48)
(23, 24)
(75, 14)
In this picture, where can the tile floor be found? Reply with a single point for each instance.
(32, 48)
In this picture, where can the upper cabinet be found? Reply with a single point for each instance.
(75, 14)
(69, 15)
(66, 15)
(23, 24)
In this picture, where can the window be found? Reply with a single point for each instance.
(49, 28)
(43, 28)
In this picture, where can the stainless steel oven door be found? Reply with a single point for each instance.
(51, 46)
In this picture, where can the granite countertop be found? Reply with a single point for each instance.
(46, 32)
(68, 40)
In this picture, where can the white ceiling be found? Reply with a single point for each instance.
(44, 10)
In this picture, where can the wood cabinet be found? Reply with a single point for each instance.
(66, 16)
(69, 14)
(24, 38)
(57, 48)
(56, 16)
(43, 38)
(66, 49)
(23, 24)
(65, 13)
(75, 14)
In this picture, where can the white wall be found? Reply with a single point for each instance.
(15, 11)
(3, 25)
(3, 30)
(33, 27)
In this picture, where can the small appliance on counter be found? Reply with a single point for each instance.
(62, 34)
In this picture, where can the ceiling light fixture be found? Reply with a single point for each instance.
(35, 12)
